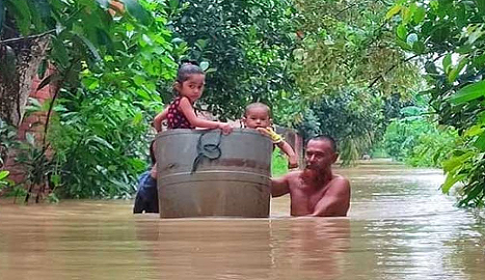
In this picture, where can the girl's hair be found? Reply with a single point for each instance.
(187, 68)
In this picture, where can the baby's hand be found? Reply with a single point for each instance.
(292, 163)
(226, 128)
(263, 131)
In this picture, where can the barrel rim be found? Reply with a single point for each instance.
(179, 131)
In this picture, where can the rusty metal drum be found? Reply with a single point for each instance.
(203, 173)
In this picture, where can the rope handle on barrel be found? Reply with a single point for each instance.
(207, 150)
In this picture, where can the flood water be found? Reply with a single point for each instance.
(400, 227)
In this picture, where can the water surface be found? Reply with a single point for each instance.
(400, 227)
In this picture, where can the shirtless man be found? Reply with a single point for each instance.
(316, 191)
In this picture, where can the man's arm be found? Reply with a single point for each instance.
(336, 200)
(280, 186)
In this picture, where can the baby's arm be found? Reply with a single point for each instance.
(157, 121)
(288, 150)
(186, 108)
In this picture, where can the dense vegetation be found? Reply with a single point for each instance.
(449, 38)
(349, 69)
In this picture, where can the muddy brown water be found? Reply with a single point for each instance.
(400, 227)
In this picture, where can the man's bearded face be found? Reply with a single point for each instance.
(319, 155)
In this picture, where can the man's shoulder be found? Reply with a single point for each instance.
(340, 182)
(340, 179)
(292, 175)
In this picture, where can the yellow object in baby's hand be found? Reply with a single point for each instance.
(275, 137)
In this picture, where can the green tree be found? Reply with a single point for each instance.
(247, 46)
(448, 35)
(349, 44)
(354, 118)
(111, 67)
(350, 71)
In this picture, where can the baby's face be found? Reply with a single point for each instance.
(257, 117)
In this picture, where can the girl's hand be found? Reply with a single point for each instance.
(153, 171)
(226, 128)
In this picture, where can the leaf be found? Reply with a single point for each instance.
(43, 8)
(59, 53)
(468, 93)
(21, 13)
(418, 47)
(401, 31)
(481, 5)
(146, 40)
(480, 142)
(453, 74)
(406, 15)
(419, 15)
(4, 174)
(177, 40)
(137, 118)
(411, 39)
(474, 130)
(201, 44)
(456, 161)
(42, 68)
(446, 62)
(49, 79)
(137, 11)
(101, 141)
(29, 137)
(204, 65)
(393, 11)
(173, 4)
(450, 181)
(403, 45)
(90, 46)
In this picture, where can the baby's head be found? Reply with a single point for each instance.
(257, 115)
(190, 80)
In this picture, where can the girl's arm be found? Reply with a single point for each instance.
(188, 111)
(288, 150)
(157, 121)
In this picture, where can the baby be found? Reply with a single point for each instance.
(257, 116)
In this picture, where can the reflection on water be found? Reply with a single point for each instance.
(400, 227)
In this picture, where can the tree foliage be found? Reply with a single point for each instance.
(417, 139)
(349, 43)
(112, 65)
(246, 46)
(350, 71)
(449, 37)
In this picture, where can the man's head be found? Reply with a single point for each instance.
(257, 115)
(321, 153)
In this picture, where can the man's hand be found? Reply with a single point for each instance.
(336, 200)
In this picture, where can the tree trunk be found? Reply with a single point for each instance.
(19, 60)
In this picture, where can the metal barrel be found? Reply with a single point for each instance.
(231, 177)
